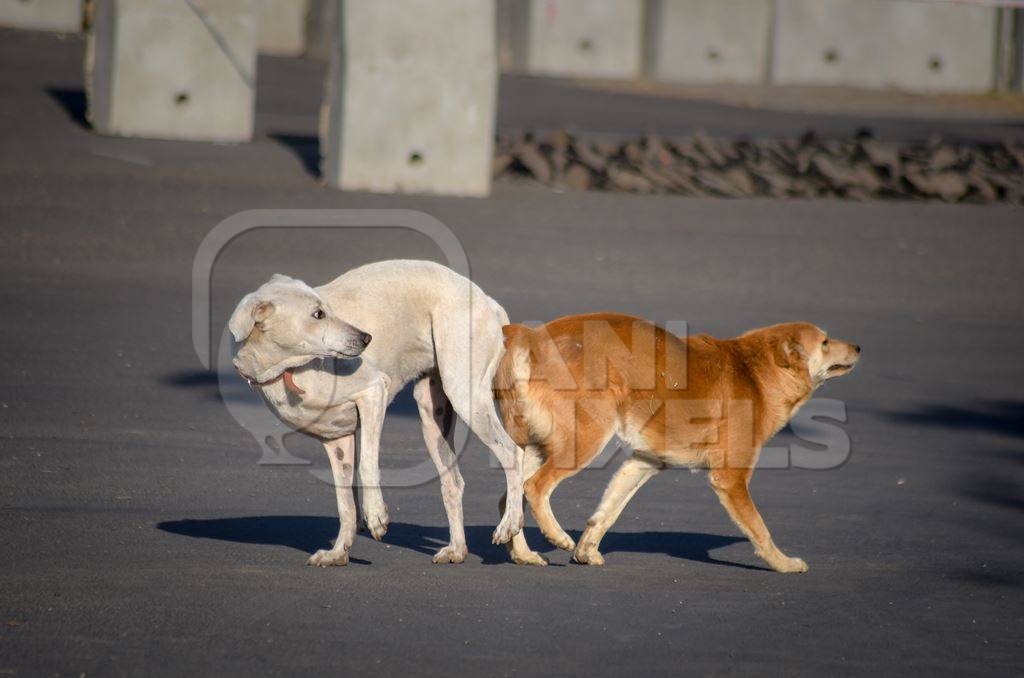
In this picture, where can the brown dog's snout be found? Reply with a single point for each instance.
(366, 338)
(856, 349)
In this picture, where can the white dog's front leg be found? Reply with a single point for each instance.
(371, 404)
(342, 454)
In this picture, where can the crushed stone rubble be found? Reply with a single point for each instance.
(859, 168)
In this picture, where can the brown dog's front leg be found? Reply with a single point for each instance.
(731, 488)
(630, 477)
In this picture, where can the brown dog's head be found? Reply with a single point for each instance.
(808, 350)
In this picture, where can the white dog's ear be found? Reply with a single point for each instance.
(249, 312)
(281, 278)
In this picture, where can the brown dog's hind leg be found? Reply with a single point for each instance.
(731, 487)
(567, 453)
(630, 477)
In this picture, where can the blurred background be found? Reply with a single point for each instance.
(785, 98)
(729, 163)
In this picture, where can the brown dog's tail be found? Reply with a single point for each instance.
(514, 370)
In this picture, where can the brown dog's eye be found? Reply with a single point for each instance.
(318, 314)
(824, 345)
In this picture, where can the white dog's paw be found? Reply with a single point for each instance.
(376, 517)
(451, 554)
(528, 558)
(790, 565)
(328, 557)
(510, 525)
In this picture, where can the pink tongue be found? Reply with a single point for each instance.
(289, 383)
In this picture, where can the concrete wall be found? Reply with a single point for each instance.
(702, 41)
(320, 21)
(410, 97)
(64, 16)
(154, 68)
(884, 43)
(282, 26)
(583, 38)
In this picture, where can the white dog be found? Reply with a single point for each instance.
(427, 324)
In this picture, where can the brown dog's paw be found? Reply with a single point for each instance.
(585, 555)
(790, 565)
(529, 558)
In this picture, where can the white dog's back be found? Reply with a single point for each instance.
(403, 303)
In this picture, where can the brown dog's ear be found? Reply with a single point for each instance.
(788, 354)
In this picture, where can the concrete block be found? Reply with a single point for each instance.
(320, 22)
(586, 39)
(410, 97)
(282, 26)
(172, 69)
(513, 29)
(709, 41)
(884, 43)
(942, 47)
(63, 16)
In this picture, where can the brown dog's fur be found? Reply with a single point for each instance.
(566, 388)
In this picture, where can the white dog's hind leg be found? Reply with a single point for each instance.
(371, 405)
(472, 398)
(518, 548)
(434, 410)
(341, 453)
(467, 358)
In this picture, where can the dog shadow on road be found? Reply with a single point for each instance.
(309, 533)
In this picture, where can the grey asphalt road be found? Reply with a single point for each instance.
(140, 535)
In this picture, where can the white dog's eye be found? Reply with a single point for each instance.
(318, 314)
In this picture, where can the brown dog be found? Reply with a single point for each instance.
(567, 387)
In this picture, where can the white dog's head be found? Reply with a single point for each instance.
(286, 323)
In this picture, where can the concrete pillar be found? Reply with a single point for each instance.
(63, 16)
(172, 69)
(513, 16)
(585, 38)
(409, 102)
(282, 26)
(708, 41)
(915, 46)
(320, 22)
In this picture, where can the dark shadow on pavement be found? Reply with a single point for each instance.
(309, 533)
(207, 382)
(307, 149)
(73, 102)
(1004, 417)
